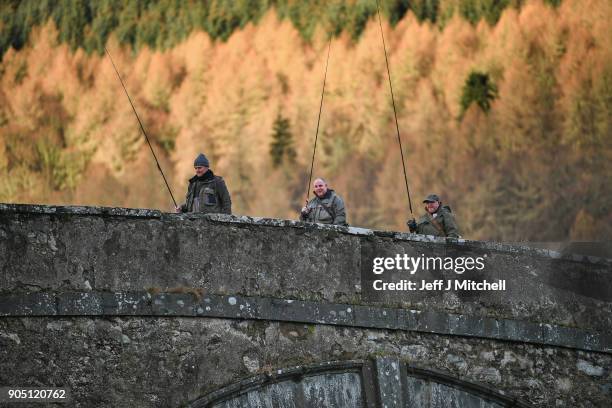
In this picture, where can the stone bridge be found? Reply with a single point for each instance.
(140, 308)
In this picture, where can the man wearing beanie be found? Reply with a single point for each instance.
(206, 193)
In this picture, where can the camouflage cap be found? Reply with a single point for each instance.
(431, 198)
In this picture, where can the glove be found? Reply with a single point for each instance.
(305, 210)
(412, 225)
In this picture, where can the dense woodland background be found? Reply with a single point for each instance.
(505, 107)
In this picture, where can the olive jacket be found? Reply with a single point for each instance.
(207, 194)
(440, 224)
(328, 209)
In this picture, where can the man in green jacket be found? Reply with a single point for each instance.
(437, 221)
(206, 193)
(326, 207)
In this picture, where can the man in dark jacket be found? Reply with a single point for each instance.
(206, 193)
(326, 207)
(437, 221)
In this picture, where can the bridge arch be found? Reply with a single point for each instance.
(382, 382)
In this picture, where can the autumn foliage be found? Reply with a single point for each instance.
(510, 123)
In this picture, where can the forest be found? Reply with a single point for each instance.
(504, 107)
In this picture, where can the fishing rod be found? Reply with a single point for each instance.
(314, 150)
(399, 140)
(142, 128)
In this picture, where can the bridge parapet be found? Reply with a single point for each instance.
(222, 298)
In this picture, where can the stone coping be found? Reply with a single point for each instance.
(197, 305)
(274, 222)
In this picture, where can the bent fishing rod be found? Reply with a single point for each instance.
(142, 128)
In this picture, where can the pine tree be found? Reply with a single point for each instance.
(282, 142)
(480, 89)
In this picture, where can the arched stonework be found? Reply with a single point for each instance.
(384, 382)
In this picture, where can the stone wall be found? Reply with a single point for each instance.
(140, 308)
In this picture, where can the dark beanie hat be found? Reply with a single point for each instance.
(201, 160)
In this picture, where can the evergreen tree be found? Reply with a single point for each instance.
(490, 10)
(426, 10)
(164, 23)
(282, 142)
(480, 89)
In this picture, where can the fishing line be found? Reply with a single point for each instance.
(314, 150)
(399, 140)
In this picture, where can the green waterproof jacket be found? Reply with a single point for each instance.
(207, 194)
(328, 209)
(441, 225)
